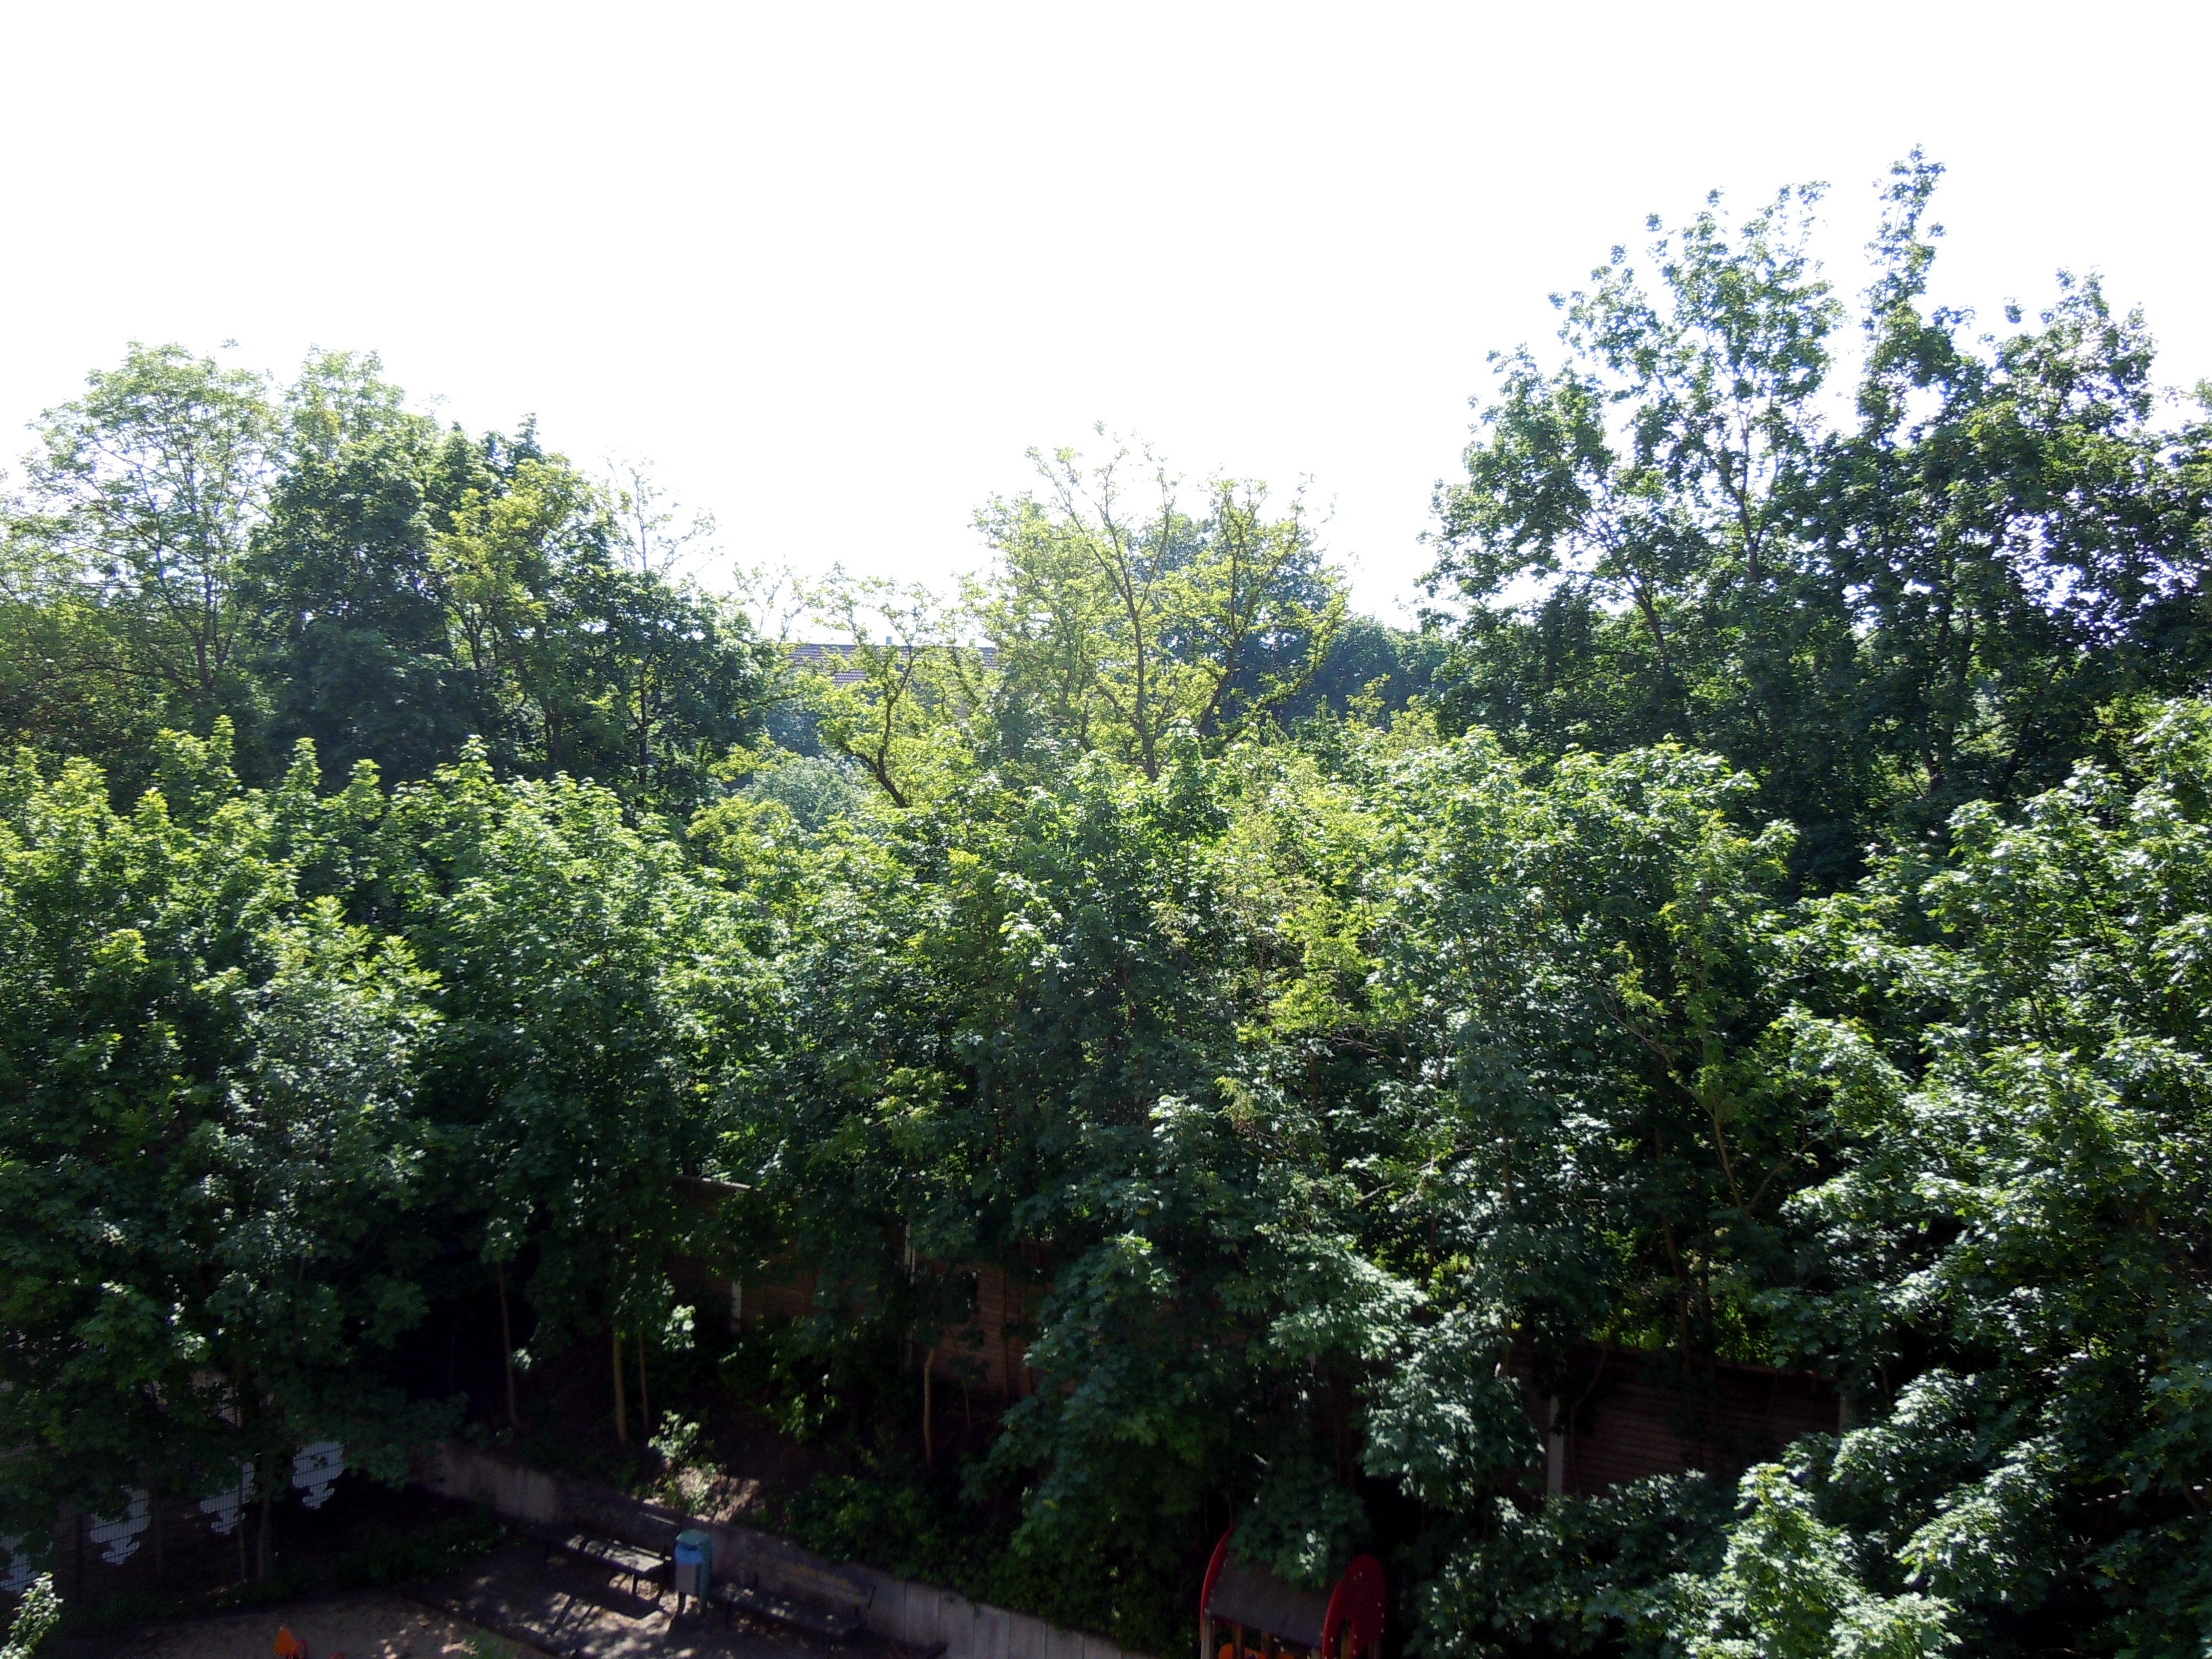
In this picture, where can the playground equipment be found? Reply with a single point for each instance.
(1248, 1612)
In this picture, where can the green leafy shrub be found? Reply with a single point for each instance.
(282, 1585)
(38, 1612)
(423, 1553)
(1572, 1577)
(909, 1528)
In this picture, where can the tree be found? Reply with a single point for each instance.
(1651, 492)
(689, 676)
(596, 667)
(205, 1143)
(1367, 659)
(1579, 959)
(61, 686)
(898, 695)
(1997, 1255)
(415, 588)
(269, 1055)
(1120, 627)
(2007, 1268)
(2024, 527)
(353, 617)
(589, 979)
(143, 494)
(1870, 621)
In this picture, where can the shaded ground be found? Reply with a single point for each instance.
(369, 1624)
(565, 1609)
(512, 1602)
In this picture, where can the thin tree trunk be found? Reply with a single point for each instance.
(263, 1551)
(644, 1398)
(507, 1346)
(622, 1404)
(928, 1403)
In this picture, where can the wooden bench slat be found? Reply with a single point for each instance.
(606, 1551)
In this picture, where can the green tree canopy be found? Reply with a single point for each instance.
(1762, 923)
(1119, 620)
(1672, 536)
(210, 1142)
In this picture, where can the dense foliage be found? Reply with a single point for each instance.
(325, 564)
(1764, 917)
(1880, 619)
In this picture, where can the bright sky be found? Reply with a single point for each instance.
(832, 269)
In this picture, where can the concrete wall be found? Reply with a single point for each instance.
(919, 1615)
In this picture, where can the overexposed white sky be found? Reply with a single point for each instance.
(833, 268)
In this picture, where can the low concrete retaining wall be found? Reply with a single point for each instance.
(919, 1615)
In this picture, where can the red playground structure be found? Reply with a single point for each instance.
(1248, 1612)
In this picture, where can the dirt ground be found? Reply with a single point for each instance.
(513, 1604)
(370, 1624)
(567, 1609)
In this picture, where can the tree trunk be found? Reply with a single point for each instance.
(263, 1554)
(644, 1397)
(507, 1346)
(622, 1405)
(928, 1402)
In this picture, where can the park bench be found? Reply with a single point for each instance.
(818, 1600)
(621, 1560)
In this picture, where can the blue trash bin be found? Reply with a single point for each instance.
(695, 1563)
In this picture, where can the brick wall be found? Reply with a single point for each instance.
(1618, 1414)
(1613, 1415)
